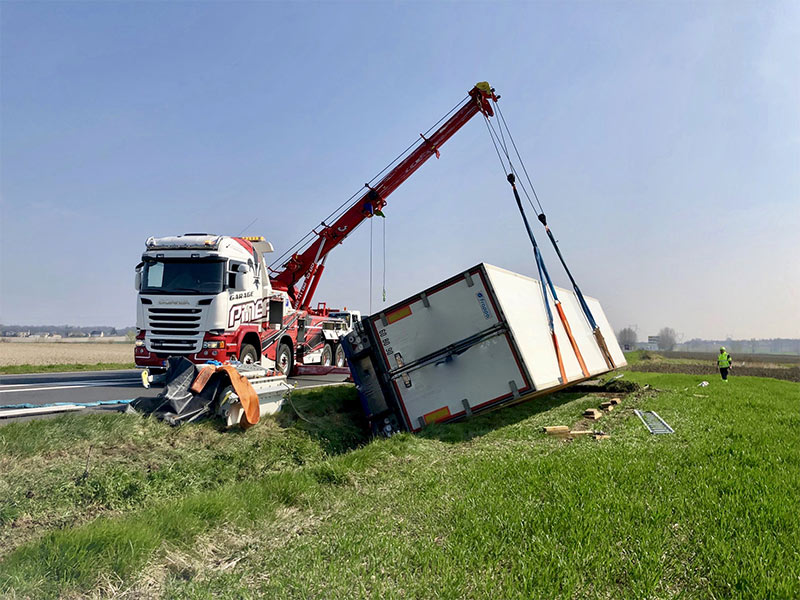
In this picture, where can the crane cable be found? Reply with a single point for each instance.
(371, 250)
(384, 260)
(543, 220)
(544, 276)
(370, 266)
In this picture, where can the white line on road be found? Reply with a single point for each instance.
(61, 387)
(72, 381)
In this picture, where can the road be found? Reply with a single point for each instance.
(91, 386)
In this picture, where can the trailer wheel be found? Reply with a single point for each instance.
(225, 395)
(248, 354)
(326, 357)
(284, 360)
(341, 361)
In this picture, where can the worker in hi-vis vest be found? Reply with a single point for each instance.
(724, 362)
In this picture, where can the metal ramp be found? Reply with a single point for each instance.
(653, 422)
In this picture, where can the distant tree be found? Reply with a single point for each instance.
(627, 337)
(130, 335)
(667, 338)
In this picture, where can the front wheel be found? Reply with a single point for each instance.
(341, 361)
(284, 360)
(326, 357)
(248, 354)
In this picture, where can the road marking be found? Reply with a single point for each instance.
(61, 387)
(72, 382)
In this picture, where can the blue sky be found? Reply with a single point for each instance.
(663, 138)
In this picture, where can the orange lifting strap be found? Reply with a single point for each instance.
(242, 387)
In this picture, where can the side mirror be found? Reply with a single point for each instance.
(137, 281)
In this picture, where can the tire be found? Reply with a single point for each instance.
(326, 357)
(340, 359)
(248, 354)
(284, 361)
(222, 393)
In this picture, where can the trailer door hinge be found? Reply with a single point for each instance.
(467, 407)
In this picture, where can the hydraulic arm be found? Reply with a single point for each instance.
(309, 263)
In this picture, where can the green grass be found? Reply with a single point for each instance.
(62, 368)
(487, 508)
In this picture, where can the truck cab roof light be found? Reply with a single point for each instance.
(196, 241)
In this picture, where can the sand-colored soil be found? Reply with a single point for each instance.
(57, 353)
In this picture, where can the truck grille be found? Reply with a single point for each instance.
(174, 330)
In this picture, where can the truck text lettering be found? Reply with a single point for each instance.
(247, 312)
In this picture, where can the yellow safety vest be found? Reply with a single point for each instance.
(724, 360)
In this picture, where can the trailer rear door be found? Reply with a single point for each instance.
(453, 332)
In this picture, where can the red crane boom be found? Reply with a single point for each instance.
(309, 263)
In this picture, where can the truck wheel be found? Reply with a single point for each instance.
(326, 358)
(341, 361)
(248, 354)
(284, 361)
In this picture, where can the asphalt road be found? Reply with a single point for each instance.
(91, 386)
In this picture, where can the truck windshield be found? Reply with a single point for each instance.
(187, 276)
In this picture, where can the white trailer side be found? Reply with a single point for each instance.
(476, 341)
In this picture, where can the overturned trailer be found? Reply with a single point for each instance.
(482, 339)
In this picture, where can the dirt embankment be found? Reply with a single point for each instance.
(59, 353)
(785, 373)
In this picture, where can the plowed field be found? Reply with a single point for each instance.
(55, 353)
(785, 373)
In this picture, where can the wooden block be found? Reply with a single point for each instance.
(605, 405)
(608, 408)
(582, 432)
(592, 413)
(601, 436)
(557, 430)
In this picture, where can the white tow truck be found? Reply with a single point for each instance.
(210, 298)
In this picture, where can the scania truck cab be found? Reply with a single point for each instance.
(209, 297)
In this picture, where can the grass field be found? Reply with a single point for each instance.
(784, 367)
(487, 508)
(62, 368)
(41, 357)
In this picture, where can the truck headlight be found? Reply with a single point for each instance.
(215, 344)
(139, 343)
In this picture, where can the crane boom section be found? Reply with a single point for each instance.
(309, 263)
